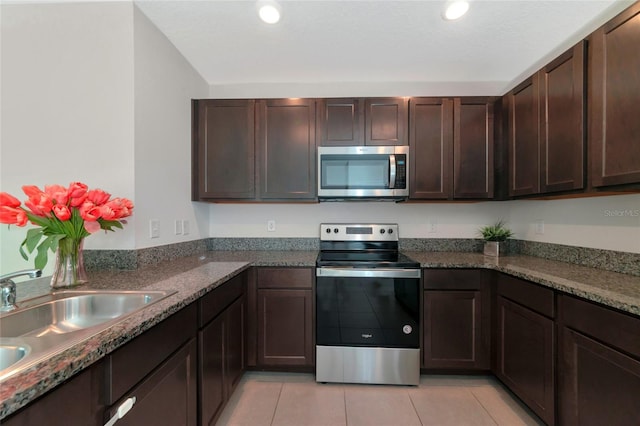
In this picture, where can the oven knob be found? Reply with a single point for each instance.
(335, 230)
(407, 329)
(382, 231)
(328, 231)
(390, 231)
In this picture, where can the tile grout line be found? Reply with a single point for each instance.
(273, 416)
(344, 398)
(483, 407)
(414, 406)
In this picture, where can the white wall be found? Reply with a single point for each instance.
(611, 223)
(451, 220)
(165, 83)
(94, 92)
(67, 106)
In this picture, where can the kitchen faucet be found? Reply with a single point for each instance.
(8, 288)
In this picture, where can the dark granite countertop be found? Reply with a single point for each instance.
(194, 276)
(620, 291)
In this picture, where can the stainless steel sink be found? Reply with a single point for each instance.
(11, 353)
(46, 325)
(74, 312)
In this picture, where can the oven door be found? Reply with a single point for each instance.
(368, 307)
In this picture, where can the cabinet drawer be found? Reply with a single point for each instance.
(285, 278)
(454, 279)
(214, 302)
(617, 329)
(131, 363)
(167, 396)
(533, 296)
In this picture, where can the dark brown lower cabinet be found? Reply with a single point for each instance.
(167, 396)
(221, 342)
(525, 347)
(599, 365)
(80, 399)
(281, 319)
(456, 325)
(285, 327)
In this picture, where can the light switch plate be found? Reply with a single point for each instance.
(154, 228)
(185, 227)
(178, 227)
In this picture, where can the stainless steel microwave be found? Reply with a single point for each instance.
(363, 172)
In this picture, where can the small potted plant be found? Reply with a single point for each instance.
(493, 235)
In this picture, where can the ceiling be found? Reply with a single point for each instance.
(495, 44)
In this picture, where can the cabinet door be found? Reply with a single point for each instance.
(473, 148)
(285, 321)
(431, 148)
(224, 149)
(525, 351)
(287, 149)
(523, 138)
(453, 330)
(235, 343)
(211, 366)
(340, 122)
(562, 133)
(614, 96)
(386, 121)
(598, 364)
(80, 399)
(168, 396)
(598, 384)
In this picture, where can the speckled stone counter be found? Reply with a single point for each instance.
(620, 291)
(192, 277)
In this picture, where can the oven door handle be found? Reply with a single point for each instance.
(367, 272)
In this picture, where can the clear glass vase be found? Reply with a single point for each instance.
(69, 267)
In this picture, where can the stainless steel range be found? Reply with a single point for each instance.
(367, 307)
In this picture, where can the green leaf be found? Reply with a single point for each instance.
(107, 225)
(41, 258)
(33, 238)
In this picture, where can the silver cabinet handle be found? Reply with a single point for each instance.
(123, 409)
(392, 171)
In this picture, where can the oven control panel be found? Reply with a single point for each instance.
(359, 232)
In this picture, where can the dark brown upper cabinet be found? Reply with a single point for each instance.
(286, 145)
(562, 123)
(524, 143)
(451, 148)
(614, 98)
(362, 121)
(473, 144)
(340, 122)
(430, 148)
(223, 149)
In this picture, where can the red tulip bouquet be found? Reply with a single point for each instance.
(64, 217)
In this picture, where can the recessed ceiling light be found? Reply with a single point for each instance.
(269, 11)
(455, 9)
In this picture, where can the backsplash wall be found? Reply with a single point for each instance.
(609, 223)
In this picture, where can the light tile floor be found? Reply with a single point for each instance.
(281, 399)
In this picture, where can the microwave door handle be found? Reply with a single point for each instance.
(392, 171)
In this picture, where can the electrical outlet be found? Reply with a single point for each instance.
(433, 226)
(154, 228)
(271, 226)
(539, 227)
(178, 227)
(185, 227)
